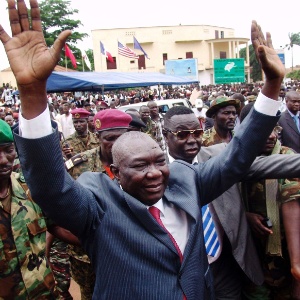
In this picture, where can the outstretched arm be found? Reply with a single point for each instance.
(30, 59)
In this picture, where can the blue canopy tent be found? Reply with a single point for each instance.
(105, 81)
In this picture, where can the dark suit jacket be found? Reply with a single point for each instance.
(290, 135)
(230, 210)
(132, 255)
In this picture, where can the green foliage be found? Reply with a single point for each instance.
(56, 16)
(294, 40)
(256, 72)
(294, 75)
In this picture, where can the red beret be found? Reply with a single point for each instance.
(80, 113)
(102, 103)
(111, 119)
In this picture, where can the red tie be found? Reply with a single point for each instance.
(155, 212)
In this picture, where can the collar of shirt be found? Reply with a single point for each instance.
(292, 115)
(171, 159)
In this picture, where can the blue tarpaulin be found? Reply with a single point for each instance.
(97, 81)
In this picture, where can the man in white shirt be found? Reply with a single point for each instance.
(133, 255)
(66, 121)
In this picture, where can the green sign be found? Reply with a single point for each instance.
(229, 70)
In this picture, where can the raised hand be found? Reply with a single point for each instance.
(30, 59)
(265, 53)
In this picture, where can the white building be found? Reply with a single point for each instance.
(202, 42)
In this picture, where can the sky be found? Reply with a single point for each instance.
(279, 19)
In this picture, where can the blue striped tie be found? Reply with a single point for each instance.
(212, 244)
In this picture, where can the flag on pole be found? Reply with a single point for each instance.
(137, 45)
(68, 53)
(86, 59)
(126, 51)
(106, 53)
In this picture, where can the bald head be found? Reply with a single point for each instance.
(130, 143)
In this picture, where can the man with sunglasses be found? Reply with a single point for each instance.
(237, 259)
(119, 225)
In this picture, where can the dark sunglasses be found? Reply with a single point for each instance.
(184, 134)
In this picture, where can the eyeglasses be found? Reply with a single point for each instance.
(277, 129)
(184, 134)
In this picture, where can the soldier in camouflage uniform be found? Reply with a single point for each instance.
(109, 124)
(24, 271)
(263, 200)
(82, 139)
(145, 116)
(223, 111)
(156, 125)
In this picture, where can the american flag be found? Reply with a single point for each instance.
(125, 51)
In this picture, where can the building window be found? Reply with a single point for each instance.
(111, 65)
(130, 33)
(164, 32)
(222, 34)
(216, 34)
(165, 57)
(141, 62)
(189, 55)
(223, 54)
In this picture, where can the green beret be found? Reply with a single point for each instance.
(6, 135)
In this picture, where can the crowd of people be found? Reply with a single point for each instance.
(198, 203)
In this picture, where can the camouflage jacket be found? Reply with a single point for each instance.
(148, 128)
(156, 133)
(24, 271)
(211, 137)
(82, 144)
(90, 163)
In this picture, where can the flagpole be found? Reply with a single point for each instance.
(66, 61)
(119, 55)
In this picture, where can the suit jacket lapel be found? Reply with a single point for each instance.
(291, 122)
(146, 219)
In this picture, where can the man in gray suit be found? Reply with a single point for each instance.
(134, 257)
(289, 121)
(238, 256)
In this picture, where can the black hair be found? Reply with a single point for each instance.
(177, 110)
(245, 111)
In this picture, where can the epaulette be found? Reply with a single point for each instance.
(75, 160)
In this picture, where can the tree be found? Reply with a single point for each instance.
(256, 73)
(56, 16)
(294, 40)
(294, 75)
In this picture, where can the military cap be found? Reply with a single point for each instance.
(251, 98)
(6, 135)
(219, 102)
(102, 103)
(111, 119)
(136, 121)
(80, 113)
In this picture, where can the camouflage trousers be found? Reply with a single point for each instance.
(60, 265)
(84, 275)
